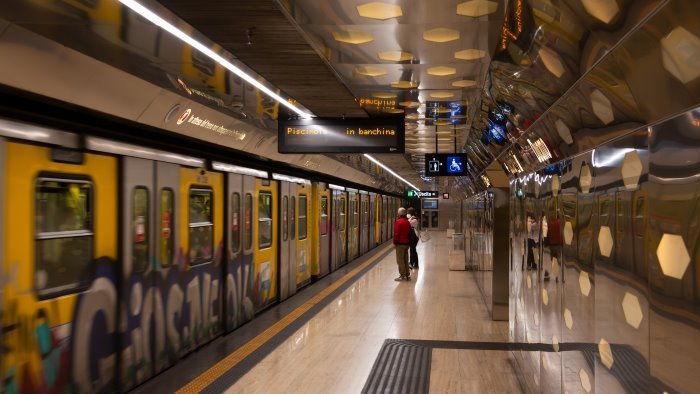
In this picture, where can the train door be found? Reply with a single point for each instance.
(239, 263)
(265, 244)
(138, 274)
(339, 241)
(353, 225)
(324, 231)
(387, 218)
(364, 223)
(372, 237)
(287, 262)
(302, 254)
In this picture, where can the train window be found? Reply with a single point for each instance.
(236, 222)
(248, 221)
(302, 216)
(285, 218)
(292, 218)
(264, 220)
(64, 238)
(139, 228)
(324, 215)
(167, 226)
(201, 226)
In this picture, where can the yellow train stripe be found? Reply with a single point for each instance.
(209, 376)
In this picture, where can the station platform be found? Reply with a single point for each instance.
(358, 330)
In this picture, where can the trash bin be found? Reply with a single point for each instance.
(457, 260)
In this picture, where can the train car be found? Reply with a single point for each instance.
(123, 259)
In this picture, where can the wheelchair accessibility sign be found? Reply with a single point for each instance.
(455, 164)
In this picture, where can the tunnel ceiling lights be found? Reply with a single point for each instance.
(380, 164)
(167, 26)
(353, 36)
(379, 10)
(371, 71)
(470, 54)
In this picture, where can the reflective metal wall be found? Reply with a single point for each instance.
(614, 298)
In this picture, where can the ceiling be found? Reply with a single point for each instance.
(425, 59)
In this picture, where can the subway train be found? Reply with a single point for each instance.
(120, 259)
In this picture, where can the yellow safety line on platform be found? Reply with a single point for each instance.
(209, 376)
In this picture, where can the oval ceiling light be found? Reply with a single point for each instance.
(353, 36)
(552, 61)
(371, 71)
(441, 34)
(384, 95)
(603, 10)
(470, 54)
(442, 71)
(476, 8)
(441, 95)
(404, 84)
(410, 104)
(443, 123)
(393, 110)
(464, 83)
(395, 56)
(379, 10)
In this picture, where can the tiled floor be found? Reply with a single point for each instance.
(334, 351)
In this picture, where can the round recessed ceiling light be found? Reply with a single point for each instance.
(371, 71)
(353, 36)
(470, 54)
(379, 10)
(395, 56)
(464, 83)
(441, 34)
(440, 95)
(442, 71)
(404, 84)
(384, 95)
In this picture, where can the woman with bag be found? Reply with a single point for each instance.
(413, 238)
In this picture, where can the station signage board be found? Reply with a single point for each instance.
(422, 194)
(446, 164)
(338, 135)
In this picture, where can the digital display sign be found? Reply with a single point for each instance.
(338, 135)
(446, 164)
(429, 204)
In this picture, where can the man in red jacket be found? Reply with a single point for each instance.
(401, 229)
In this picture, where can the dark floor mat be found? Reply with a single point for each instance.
(401, 367)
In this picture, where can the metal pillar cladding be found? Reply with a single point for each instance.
(501, 253)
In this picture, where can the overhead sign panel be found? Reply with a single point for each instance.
(337, 135)
(446, 164)
(422, 194)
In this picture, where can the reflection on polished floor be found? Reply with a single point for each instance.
(334, 352)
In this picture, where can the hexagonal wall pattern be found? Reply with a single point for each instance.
(585, 178)
(631, 170)
(442, 71)
(568, 233)
(584, 283)
(678, 51)
(379, 10)
(605, 241)
(673, 255)
(568, 319)
(556, 185)
(352, 36)
(564, 131)
(606, 356)
(555, 267)
(585, 380)
(551, 61)
(632, 310)
(602, 107)
(603, 10)
(545, 297)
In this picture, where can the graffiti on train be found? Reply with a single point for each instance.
(161, 316)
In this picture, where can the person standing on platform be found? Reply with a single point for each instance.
(401, 230)
(533, 237)
(413, 240)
